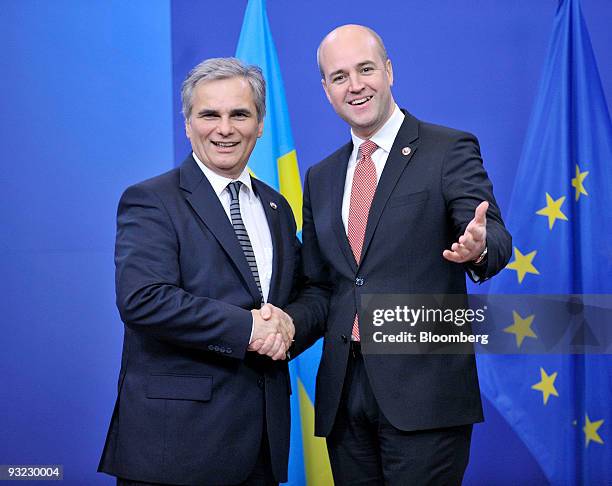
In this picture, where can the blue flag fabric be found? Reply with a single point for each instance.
(561, 222)
(274, 161)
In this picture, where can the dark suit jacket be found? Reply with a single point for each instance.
(423, 202)
(192, 403)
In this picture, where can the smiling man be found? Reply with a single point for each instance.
(404, 207)
(223, 125)
(203, 387)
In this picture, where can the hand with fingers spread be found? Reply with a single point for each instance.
(273, 332)
(473, 241)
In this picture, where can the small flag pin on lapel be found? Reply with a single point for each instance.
(273, 205)
(406, 151)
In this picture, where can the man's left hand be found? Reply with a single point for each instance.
(471, 243)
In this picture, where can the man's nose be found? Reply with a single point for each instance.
(225, 127)
(355, 83)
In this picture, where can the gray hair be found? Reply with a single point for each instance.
(379, 44)
(224, 68)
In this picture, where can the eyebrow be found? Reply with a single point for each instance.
(207, 112)
(240, 111)
(359, 65)
(234, 112)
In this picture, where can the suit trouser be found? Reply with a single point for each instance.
(365, 449)
(261, 475)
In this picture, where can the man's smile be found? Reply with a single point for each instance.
(360, 101)
(224, 144)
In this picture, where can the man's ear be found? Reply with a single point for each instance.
(260, 127)
(326, 89)
(389, 70)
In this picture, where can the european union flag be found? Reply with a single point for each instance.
(274, 161)
(561, 222)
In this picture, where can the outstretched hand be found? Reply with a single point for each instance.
(473, 241)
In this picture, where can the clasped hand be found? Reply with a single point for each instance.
(273, 332)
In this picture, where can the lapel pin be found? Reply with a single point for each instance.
(406, 151)
(273, 205)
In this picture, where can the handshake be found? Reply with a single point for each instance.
(273, 332)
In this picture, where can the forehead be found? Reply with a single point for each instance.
(223, 93)
(346, 49)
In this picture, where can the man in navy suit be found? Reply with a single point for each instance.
(203, 394)
(405, 207)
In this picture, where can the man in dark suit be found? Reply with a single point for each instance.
(406, 207)
(203, 395)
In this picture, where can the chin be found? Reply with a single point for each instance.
(364, 119)
(363, 126)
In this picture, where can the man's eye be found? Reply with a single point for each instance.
(367, 69)
(240, 116)
(338, 78)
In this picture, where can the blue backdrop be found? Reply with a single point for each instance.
(90, 105)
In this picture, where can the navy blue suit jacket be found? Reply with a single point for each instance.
(423, 203)
(192, 402)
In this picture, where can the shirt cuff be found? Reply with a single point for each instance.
(252, 328)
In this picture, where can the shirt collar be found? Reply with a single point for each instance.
(384, 137)
(219, 183)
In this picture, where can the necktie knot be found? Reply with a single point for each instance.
(367, 148)
(234, 189)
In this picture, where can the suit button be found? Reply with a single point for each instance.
(344, 338)
(359, 281)
(260, 382)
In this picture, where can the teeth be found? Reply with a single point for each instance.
(225, 144)
(360, 101)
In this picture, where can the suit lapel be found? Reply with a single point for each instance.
(202, 198)
(407, 138)
(337, 177)
(271, 206)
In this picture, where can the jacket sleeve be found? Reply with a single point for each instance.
(465, 184)
(309, 309)
(148, 283)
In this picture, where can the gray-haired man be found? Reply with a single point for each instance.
(203, 388)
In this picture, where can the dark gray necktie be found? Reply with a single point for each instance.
(241, 232)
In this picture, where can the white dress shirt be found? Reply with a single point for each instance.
(253, 216)
(384, 138)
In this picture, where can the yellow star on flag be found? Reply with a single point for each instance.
(553, 210)
(590, 431)
(546, 385)
(521, 328)
(522, 264)
(578, 182)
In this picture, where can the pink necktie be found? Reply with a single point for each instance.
(362, 193)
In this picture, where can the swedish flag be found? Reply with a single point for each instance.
(274, 161)
(561, 222)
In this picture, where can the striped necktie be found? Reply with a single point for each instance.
(362, 194)
(241, 232)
